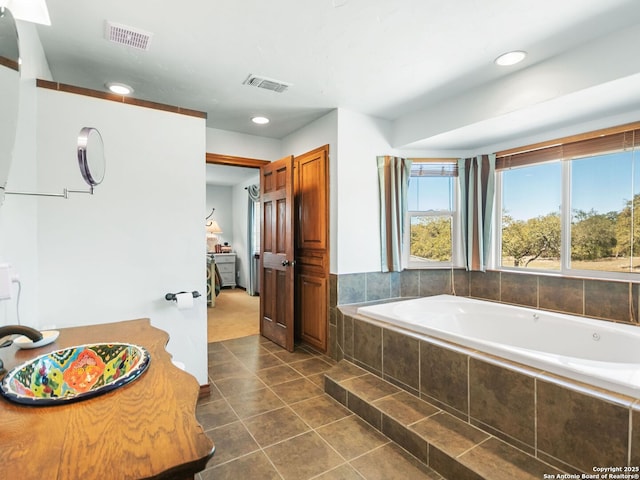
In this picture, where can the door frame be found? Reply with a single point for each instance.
(231, 161)
(234, 161)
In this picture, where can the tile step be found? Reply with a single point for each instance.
(452, 447)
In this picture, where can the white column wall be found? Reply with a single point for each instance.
(361, 138)
(18, 215)
(114, 255)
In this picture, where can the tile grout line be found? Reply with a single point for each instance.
(311, 429)
(250, 434)
(288, 406)
(335, 468)
(475, 446)
(260, 448)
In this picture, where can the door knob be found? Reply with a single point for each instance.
(285, 263)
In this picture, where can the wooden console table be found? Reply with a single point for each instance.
(145, 429)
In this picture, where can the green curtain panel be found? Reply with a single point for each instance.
(393, 175)
(254, 197)
(477, 190)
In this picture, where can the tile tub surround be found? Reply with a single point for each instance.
(601, 299)
(452, 447)
(565, 423)
(617, 301)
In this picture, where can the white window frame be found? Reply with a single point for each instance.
(565, 236)
(456, 247)
(495, 257)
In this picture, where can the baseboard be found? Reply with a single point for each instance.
(205, 391)
(240, 287)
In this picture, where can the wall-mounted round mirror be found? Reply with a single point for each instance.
(91, 157)
(91, 160)
(9, 92)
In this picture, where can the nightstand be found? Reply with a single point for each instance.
(227, 267)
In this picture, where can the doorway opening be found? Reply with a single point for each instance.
(294, 218)
(233, 309)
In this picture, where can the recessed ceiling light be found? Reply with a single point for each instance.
(260, 120)
(510, 58)
(119, 88)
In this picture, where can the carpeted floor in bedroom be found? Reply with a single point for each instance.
(235, 314)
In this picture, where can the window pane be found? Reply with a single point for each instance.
(531, 198)
(430, 238)
(430, 193)
(604, 223)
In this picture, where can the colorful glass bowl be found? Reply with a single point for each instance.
(74, 373)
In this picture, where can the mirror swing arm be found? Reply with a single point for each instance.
(65, 193)
(92, 174)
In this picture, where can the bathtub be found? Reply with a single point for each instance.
(600, 353)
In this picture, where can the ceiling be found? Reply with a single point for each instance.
(416, 63)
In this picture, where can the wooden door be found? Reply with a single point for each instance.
(312, 247)
(276, 253)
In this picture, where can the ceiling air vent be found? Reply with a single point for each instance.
(266, 83)
(124, 35)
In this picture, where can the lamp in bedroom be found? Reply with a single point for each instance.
(213, 229)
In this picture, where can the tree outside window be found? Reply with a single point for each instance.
(431, 238)
(602, 212)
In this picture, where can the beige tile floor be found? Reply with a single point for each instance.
(270, 419)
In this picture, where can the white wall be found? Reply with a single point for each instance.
(231, 204)
(354, 142)
(18, 215)
(221, 198)
(323, 131)
(361, 139)
(113, 256)
(224, 142)
(236, 144)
